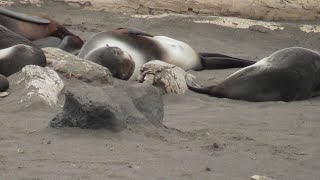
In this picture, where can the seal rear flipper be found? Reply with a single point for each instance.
(23, 17)
(49, 41)
(135, 32)
(192, 85)
(71, 44)
(220, 61)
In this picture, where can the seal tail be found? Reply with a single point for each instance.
(220, 61)
(192, 85)
(23, 17)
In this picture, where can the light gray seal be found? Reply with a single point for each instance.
(143, 47)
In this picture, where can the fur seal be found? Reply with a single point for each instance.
(144, 47)
(286, 75)
(15, 53)
(120, 63)
(39, 27)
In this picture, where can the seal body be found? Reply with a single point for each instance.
(143, 48)
(286, 75)
(39, 28)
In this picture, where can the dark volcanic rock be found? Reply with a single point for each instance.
(148, 100)
(113, 108)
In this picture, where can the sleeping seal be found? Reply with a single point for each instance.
(143, 47)
(40, 28)
(286, 75)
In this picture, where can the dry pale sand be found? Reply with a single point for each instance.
(220, 139)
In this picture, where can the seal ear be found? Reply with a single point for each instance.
(220, 61)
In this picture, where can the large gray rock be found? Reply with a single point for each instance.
(33, 85)
(108, 107)
(70, 66)
(167, 77)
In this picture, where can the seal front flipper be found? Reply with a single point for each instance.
(135, 32)
(220, 61)
(23, 17)
(4, 83)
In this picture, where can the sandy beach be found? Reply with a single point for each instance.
(207, 137)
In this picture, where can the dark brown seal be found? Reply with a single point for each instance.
(39, 27)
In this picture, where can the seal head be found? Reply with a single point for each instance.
(119, 62)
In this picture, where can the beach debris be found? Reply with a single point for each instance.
(167, 77)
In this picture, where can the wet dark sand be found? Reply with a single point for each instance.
(232, 139)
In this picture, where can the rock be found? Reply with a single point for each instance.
(256, 177)
(5, 3)
(4, 94)
(147, 100)
(259, 28)
(35, 85)
(108, 107)
(169, 78)
(258, 9)
(70, 65)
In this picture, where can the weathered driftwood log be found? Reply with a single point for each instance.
(169, 78)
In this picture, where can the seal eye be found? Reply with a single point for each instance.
(117, 52)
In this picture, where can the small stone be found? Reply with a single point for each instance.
(49, 142)
(129, 166)
(4, 94)
(31, 131)
(208, 169)
(257, 177)
(259, 28)
(215, 145)
(21, 151)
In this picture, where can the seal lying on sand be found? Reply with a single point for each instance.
(15, 53)
(135, 48)
(286, 75)
(40, 29)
